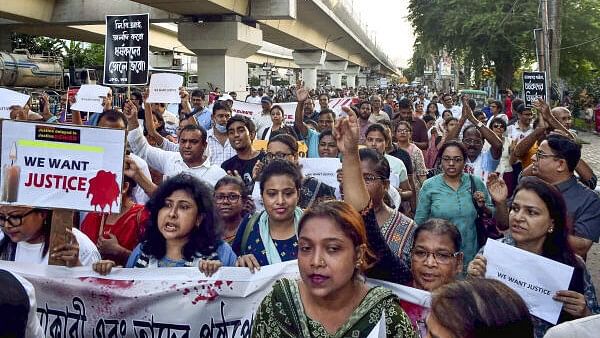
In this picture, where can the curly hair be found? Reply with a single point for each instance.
(204, 238)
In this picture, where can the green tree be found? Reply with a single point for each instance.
(495, 34)
(580, 43)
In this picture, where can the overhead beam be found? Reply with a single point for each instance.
(27, 10)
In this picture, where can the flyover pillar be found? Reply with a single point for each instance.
(309, 62)
(222, 49)
(362, 79)
(335, 69)
(351, 73)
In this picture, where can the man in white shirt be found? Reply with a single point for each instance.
(253, 97)
(448, 103)
(190, 158)
(218, 143)
(522, 128)
(263, 120)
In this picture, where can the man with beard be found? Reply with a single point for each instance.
(241, 132)
(363, 114)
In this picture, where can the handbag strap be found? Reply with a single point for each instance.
(473, 191)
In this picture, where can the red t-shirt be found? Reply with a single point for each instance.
(128, 228)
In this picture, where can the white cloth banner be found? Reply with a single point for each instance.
(535, 278)
(89, 98)
(10, 98)
(163, 302)
(289, 108)
(164, 88)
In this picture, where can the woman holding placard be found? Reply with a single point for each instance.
(539, 224)
(183, 230)
(25, 238)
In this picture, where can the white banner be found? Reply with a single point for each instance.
(163, 302)
(164, 88)
(289, 108)
(10, 98)
(536, 279)
(89, 98)
(62, 166)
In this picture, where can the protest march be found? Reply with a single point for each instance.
(141, 204)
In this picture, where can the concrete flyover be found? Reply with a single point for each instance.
(224, 34)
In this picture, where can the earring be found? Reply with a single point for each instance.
(550, 230)
(359, 263)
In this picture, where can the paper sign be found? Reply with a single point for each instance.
(534, 87)
(164, 88)
(535, 278)
(323, 169)
(379, 331)
(10, 98)
(289, 108)
(89, 98)
(62, 166)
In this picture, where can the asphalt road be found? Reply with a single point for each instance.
(591, 154)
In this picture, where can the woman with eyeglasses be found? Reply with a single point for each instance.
(539, 224)
(25, 238)
(230, 197)
(435, 260)
(396, 227)
(183, 230)
(451, 196)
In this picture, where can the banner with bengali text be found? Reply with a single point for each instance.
(163, 302)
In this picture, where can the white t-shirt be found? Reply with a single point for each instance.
(32, 253)
(254, 99)
(456, 110)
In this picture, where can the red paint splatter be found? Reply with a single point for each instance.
(186, 291)
(104, 190)
(115, 284)
(229, 282)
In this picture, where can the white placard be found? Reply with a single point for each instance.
(164, 88)
(89, 98)
(289, 108)
(535, 278)
(324, 169)
(10, 98)
(62, 166)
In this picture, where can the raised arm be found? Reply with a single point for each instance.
(493, 139)
(551, 119)
(302, 95)
(346, 133)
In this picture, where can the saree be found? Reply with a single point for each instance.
(281, 314)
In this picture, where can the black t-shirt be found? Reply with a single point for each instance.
(244, 168)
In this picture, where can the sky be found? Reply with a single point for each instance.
(387, 19)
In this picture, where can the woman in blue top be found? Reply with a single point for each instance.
(270, 235)
(183, 230)
(450, 196)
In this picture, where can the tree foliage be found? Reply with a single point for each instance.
(580, 45)
(492, 34)
(498, 35)
(73, 52)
